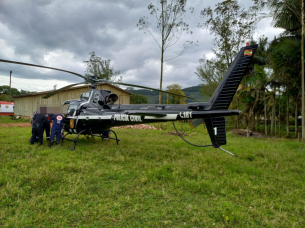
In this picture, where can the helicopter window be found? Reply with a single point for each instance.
(96, 98)
(85, 96)
(71, 109)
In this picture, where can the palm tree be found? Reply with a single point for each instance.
(289, 15)
(255, 83)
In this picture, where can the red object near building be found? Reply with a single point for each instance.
(6, 108)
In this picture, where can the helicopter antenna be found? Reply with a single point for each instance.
(186, 140)
(227, 152)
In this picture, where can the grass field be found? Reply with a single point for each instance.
(151, 179)
(7, 119)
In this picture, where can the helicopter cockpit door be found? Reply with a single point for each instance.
(98, 99)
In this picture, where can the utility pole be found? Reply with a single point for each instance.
(10, 85)
(303, 71)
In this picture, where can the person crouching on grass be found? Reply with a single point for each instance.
(32, 123)
(58, 121)
(37, 128)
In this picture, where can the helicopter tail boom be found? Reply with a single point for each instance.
(223, 96)
(224, 93)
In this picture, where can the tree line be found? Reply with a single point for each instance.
(5, 91)
(271, 91)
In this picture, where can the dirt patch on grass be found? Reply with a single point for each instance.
(243, 132)
(15, 125)
(174, 133)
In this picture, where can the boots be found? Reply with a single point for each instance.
(51, 143)
(57, 142)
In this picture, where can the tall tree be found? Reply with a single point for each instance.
(289, 15)
(5, 90)
(250, 92)
(138, 99)
(4, 93)
(286, 64)
(303, 70)
(210, 72)
(171, 23)
(231, 26)
(96, 66)
(174, 99)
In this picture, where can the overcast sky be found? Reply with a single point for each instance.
(61, 34)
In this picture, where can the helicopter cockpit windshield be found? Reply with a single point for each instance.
(71, 109)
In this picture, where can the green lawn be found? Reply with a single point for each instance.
(7, 119)
(151, 179)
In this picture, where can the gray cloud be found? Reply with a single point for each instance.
(61, 34)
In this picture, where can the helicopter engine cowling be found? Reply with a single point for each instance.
(111, 99)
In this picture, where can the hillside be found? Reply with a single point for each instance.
(153, 96)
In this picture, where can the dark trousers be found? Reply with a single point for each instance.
(106, 134)
(57, 134)
(37, 131)
(47, 128)
(34, 139)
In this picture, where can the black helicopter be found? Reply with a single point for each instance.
(94, 113)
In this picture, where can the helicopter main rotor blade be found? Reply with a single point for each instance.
(61, 89)
(28, 64)
(144, 87)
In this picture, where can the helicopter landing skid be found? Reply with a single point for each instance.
(92, 135)
(102, 137)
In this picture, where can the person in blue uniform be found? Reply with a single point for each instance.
(37, 128)
(57, 125)
(106, 135)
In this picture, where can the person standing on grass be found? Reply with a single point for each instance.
(37, 128)
(34, 114)
(32, 122)
(58, 121)
(47, 127)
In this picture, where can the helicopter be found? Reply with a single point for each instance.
(95, 113)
